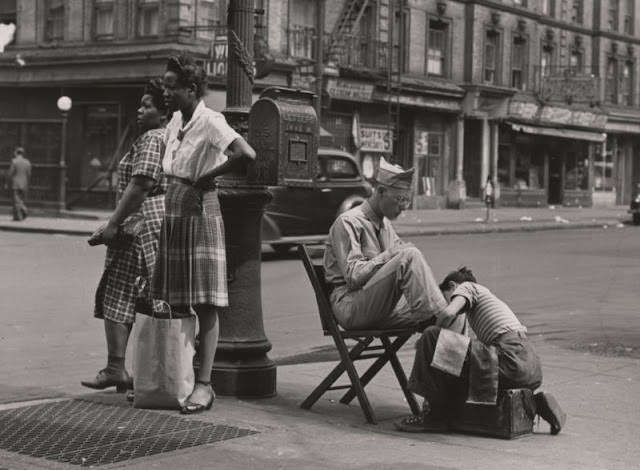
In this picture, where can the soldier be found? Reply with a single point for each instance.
(377, 280)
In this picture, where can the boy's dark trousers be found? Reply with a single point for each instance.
(519, 367)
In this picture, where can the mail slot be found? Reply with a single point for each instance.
(284, 131)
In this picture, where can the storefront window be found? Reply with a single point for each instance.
(529, 164)
(577, 170)
(603, 164)
(428, 150)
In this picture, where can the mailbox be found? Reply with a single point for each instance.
(284, 131)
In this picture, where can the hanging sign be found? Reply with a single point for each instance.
(374, 139)
(350, 90)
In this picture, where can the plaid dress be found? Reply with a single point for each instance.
(118, 288)
(191, 267)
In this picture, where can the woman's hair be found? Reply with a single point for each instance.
(458, 276)
(188, 72)
(154, 89)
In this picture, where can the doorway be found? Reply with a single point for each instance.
(556, 164)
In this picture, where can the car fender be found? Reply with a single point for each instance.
(350, 203)
(269, 230)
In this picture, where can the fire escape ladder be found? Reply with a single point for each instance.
(346, 25)
(394, 73)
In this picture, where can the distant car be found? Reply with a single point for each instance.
(305, 214)
(634, 207)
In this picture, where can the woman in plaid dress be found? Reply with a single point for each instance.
(141, 192)
(190, 274)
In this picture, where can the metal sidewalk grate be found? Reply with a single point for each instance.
(85, 433)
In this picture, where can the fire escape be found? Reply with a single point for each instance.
(376, 52)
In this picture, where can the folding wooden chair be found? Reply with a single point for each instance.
(365, 348)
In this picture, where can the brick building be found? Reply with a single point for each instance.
(540, 94)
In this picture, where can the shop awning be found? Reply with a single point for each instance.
(559, 132)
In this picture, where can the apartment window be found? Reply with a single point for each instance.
(210, 19)
(548, 7)
(491, 57)
(614, 12)
(546, 60)
(148, 21)
(437, 48)
(103, 19)
(626, 84)
(302, 29)
(8, 11)
(54, 20)
(575, 61)
(7, 16)
(576, 11)
(629, 15)
(611, 84)
(518, 59)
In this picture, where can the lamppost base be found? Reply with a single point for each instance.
(246, 379)
(242, 367)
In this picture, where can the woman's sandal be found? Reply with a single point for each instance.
(190, 408)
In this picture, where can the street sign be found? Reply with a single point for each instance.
(216, 66)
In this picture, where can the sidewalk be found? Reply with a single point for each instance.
(410, 223)
(598, 393)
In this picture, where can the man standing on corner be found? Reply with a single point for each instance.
(376, 279)
(19, 176)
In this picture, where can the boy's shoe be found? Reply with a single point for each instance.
(549, 410)
(422, 423)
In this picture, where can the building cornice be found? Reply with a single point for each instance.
(545, 20)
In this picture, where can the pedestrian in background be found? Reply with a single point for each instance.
(489, 197)
(19, 177)
(191, 273)
(141, 192)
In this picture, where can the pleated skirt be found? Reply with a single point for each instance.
(191, 266)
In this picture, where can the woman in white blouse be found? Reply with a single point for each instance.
(190, 273)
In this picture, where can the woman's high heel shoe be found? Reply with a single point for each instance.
(103, 380)
(190, 408)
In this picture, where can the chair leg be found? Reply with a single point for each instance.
(379, 363)
(360, 393)
(400, 375)
(346, 359)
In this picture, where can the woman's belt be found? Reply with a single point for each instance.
(157, 191)
(203, 184)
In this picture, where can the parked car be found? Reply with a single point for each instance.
(305, 214)
(634, 207)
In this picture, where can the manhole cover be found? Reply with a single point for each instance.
(85, 433)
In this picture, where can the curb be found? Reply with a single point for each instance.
(47, 230)
(402, 231)
(541, 226)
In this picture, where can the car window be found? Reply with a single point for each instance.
(337, 168)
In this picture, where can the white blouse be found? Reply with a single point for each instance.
(198, 147)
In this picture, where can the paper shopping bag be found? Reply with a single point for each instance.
(163, 374)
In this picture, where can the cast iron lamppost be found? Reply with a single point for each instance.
(242, 367)
(64, 106)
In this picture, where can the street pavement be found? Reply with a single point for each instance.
(599, 393)
(410, 223)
